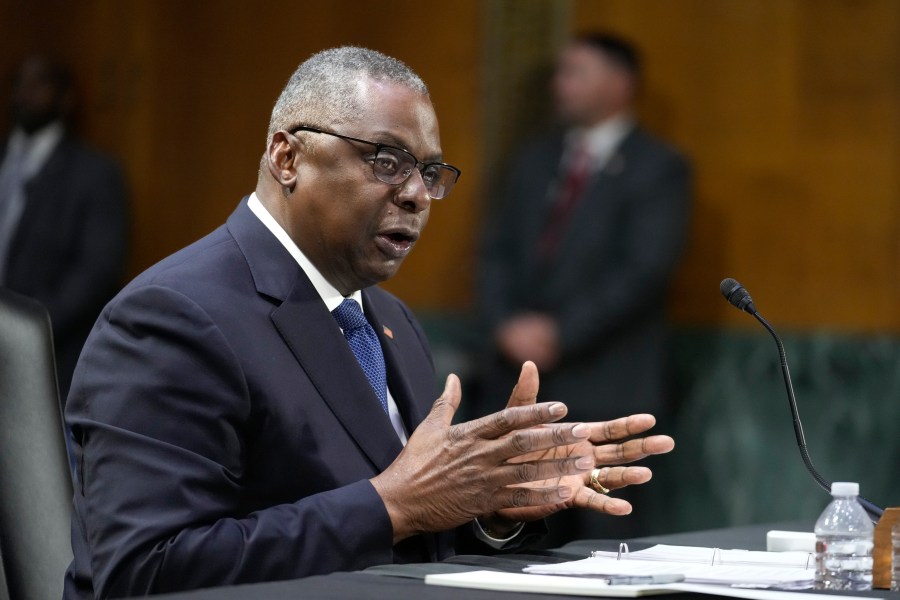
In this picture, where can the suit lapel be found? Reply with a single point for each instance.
(397, 374)
(412, 412)
(315, 340)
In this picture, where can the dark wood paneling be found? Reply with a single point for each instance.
(181, 91)
(790, 110)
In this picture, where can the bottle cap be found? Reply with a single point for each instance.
(844, 488)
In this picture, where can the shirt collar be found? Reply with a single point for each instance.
(602, 139)
(329, 294)
(37, 147)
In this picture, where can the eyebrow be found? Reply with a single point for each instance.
(389, 139)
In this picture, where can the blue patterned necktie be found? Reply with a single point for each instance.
(365, 345)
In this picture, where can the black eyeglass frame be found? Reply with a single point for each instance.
(417, 164)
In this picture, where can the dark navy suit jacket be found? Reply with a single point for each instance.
(225, 432)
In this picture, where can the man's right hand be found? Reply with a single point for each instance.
(448, 475)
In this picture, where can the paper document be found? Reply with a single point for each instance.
(697, 565)
(544, 584)
(693, 554)
(597, 588)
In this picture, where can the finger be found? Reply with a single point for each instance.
(620, 429)
(587, 498)
(632, 450)
(526, 390)
(521, 497)
(615, 478)
(525, 441)
(446, 405)
(518, 417)
(529, 472)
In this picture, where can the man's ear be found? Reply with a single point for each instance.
(281, 159)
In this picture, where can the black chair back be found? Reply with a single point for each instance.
(35, 481)
(4, 592)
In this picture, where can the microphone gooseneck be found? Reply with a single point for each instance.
(739, 297)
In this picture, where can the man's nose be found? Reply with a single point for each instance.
(413, 195)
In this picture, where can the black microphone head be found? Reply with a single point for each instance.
(735, 293)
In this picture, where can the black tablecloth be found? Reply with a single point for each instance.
(399, 582)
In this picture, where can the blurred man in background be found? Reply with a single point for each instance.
(63, 212)
(576, 266)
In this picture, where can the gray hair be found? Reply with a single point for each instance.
(325, 88)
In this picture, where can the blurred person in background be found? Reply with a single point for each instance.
(63, 211)
(576, 263)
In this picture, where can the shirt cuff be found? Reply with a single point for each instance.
(493, 542)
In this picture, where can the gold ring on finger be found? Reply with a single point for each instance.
(595, 482)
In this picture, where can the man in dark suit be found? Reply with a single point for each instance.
(576, 265)
(63, 212)
(252, 408)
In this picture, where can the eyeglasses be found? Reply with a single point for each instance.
(394, 165)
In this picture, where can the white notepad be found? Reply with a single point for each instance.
(787, 570)
(597, 588)
(543, 584)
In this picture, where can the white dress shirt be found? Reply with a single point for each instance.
(601, 140)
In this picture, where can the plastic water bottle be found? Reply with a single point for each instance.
(844, 542)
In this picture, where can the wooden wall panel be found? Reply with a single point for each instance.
(790, 110)
(181, 91)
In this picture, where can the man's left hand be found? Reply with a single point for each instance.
(612, 444)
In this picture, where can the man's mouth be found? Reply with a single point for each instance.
(397, 242)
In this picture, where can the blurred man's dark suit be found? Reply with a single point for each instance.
(221, 378)
(606, 285)
(70, 244)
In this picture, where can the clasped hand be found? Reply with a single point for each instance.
(511, 466)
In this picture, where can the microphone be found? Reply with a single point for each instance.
(740, 298)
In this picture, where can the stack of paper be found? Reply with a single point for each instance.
(544, 584)
(789, 570)
(693, 554)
